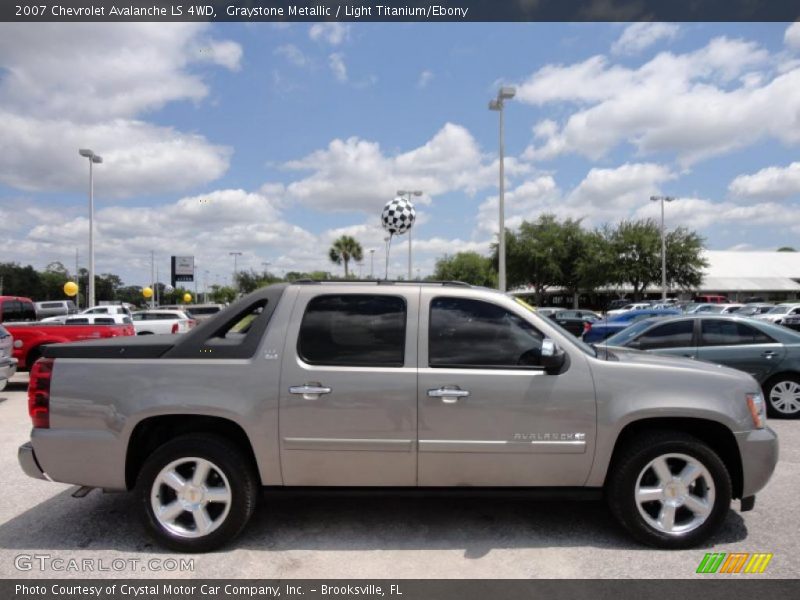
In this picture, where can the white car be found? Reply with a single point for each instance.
(99, 319)
(152, 322)
(777, 314)
(106, 310)
(624, 309)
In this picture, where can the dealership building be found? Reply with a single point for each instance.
(739, 275)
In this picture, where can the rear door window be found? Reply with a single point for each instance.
(354, 330)
(716, 332)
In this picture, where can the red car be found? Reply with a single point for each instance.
(30, 337)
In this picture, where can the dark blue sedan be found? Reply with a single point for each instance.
(600, 330)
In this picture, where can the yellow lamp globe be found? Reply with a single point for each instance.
(71, 289)
(147, 292)
(187, 297)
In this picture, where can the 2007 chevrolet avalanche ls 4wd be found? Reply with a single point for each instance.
(393, 384)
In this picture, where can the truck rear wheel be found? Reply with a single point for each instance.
(197, 492)
(669, 490)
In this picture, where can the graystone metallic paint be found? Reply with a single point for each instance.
(379, 426)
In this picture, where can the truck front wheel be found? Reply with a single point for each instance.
(196, 492)
(669, 489)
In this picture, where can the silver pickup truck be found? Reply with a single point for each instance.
(390, 384)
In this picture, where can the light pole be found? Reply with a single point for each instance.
(505, 93)
(372, 263)
(235, 255)
(93, 159)
(663, 199)
(387, 240)
(409, 193)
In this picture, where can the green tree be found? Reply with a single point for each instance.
(685, 262)
(53, 279)
(469, 267)
(596, 265)
(345, 249)
(222, 294)
(636, 246)
(533, 255)
(786, 249)
(249, 281)
(20, 281)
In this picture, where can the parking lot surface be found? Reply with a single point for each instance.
(371, 536)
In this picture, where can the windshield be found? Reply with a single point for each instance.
(627, 334)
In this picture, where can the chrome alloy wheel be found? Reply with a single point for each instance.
(785, 397)
(190, 497)
(675, 494)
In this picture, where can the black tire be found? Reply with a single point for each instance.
(772, 410)
(632, 460)
(240, 476)
(33, 355)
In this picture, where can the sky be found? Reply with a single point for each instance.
(274, 139)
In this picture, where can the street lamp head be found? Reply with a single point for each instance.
(495, 105)
(507, 93)
(417, 192)
(401, 192)
(97, 159)
(86, 152)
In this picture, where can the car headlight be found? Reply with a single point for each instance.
(755, 402)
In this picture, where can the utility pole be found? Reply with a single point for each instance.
(235, 255)
(663, 199)
(372, 263)
(409, 193)
(153, 278)
(505, 93)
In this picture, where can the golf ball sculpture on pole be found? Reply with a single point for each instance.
(397, 218)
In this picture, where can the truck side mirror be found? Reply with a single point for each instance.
(553, 357)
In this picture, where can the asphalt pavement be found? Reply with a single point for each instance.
(45, 532)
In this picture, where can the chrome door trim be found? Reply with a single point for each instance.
(503, 446)
(370, 445)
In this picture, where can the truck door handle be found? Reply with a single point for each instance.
(768, 354)
(309, 391)
(448, 395)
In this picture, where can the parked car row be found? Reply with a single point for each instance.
(768, 352)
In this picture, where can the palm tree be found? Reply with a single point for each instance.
(345, 249)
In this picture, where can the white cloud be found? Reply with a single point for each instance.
(330, 32)
(87, 85)
(89, 71)
(691, 104)
(424, 79)
(207, 226)
(355, 174)
(640, 36)
(138, 158)
(772, 182)
(293, 54)
(624, 187)
(339, 69)
(792, 36)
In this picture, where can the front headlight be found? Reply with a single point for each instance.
(755, 402)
